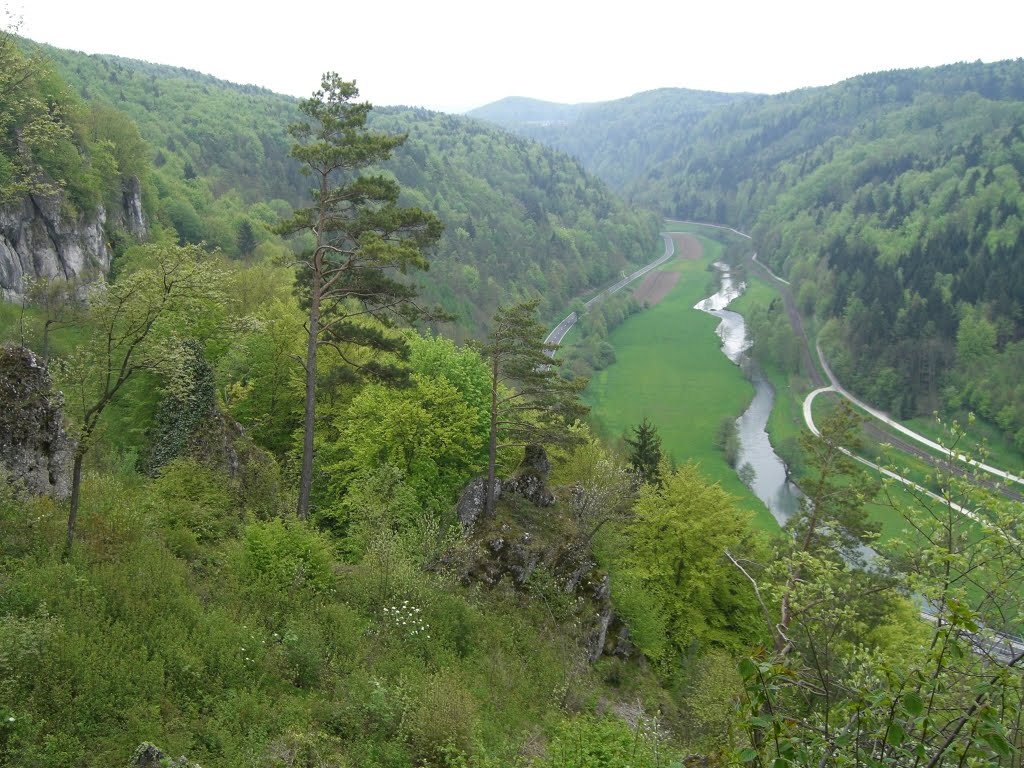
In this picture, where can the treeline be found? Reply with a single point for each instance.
(893, 202)
(521, 220)
(593, 351)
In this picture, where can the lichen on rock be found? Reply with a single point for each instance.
(34, 447)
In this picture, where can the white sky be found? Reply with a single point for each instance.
(454, 55)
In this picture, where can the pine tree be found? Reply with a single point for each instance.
(530, 402)
(246, 239)
(645, 452)
(364, 243)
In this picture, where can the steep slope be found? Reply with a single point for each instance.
(521, 219)
(72, 177)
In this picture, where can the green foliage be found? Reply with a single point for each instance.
(645, 452)
(542, 405)
(188, 403)
(428, 431)
(618, 140)
(593, 352)
(51, 144)
(263, 384)
(194, 503)
(589, 742)
(832, 516)
(351, 279)
(520, 220)
(285, 559)
(673, 583)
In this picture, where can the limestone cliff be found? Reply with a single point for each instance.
(39, 239)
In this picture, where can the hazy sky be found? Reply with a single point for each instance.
(454, 55)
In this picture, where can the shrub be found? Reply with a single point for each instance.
(282, 561)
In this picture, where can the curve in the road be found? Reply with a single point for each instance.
(885, 419)
(556, 336)
(559, 331)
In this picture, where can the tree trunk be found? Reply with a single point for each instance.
(492, 444)
(306, 479)
(76, 487)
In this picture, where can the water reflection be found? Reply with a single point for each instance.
(769, 481)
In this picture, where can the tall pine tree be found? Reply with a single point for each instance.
(530, 402)
(363, 243)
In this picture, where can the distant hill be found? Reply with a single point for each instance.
(894, 201)
(522, 219)
(619, 140)
(518, 110)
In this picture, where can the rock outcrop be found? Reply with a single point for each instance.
(531, 478)
(34, 448)
(531, 541)
(530, 481)
(37, 239)
(151, 756)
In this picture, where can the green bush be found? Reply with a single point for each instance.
(190, 497)
(286, 560)
(589, 742)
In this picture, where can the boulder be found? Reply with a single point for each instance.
(472, 501)
(148, 755)
(34, 448)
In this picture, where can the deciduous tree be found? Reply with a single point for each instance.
(133, 325)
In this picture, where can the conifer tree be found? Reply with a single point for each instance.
(363, 243)
(645, 452)
(530, 402)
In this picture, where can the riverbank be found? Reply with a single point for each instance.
(670, 369)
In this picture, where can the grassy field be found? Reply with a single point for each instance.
(671, 370)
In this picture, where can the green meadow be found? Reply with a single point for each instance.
(670, 369)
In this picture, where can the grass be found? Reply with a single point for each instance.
(670, 369)
(786, 420)
(982, 440)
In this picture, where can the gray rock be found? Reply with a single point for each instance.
(151, 756)
(531, 477)
(472, 501)
(37, 239)
(34, 447)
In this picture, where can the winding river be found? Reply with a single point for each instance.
(769, 482)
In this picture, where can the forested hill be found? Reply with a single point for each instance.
(515, 111)
(894, 201)
(619, 140)
(521, 219)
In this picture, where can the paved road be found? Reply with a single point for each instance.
(559, 331)
(998, 645)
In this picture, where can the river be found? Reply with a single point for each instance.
(770, 483)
